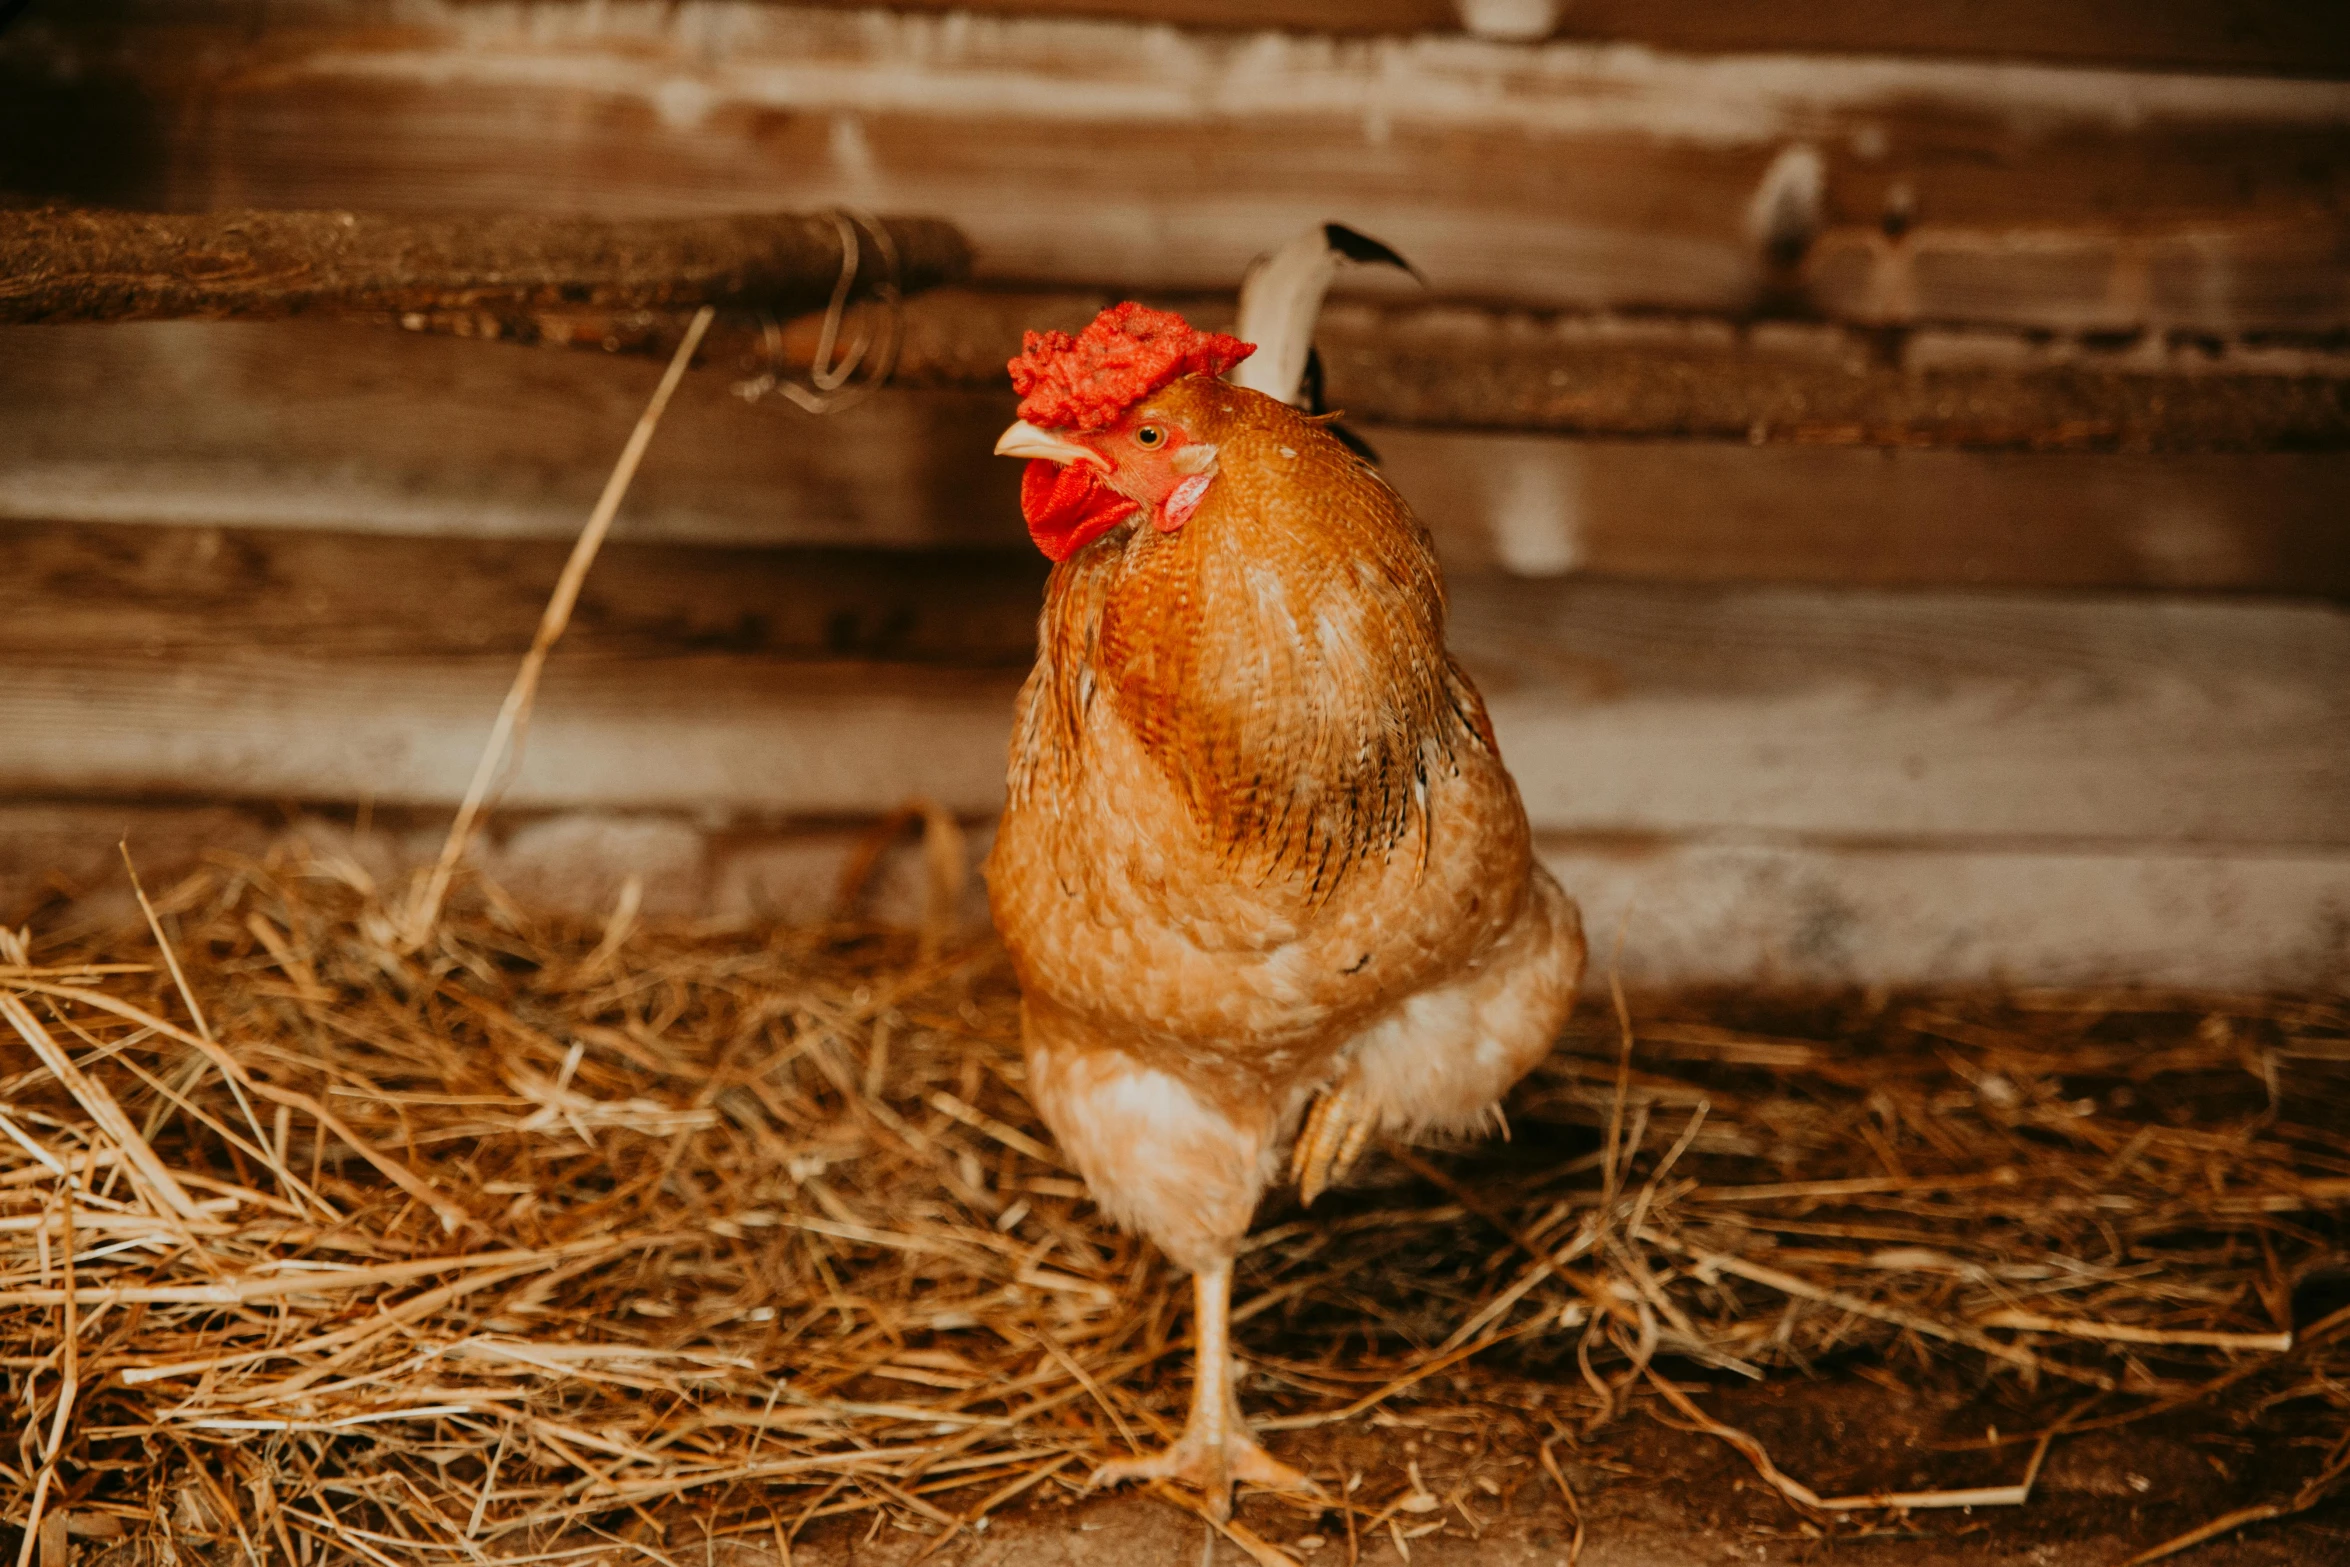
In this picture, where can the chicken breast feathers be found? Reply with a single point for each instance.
(1259, 841)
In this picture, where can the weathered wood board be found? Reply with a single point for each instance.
(1599, 374)
(333, 670)
(87, 264)
(251, 572)
(348, 427)
(1711, 512)
(1725, 911)
(1690, 912)
(2271, 35)
(1871, 188)
(358, 428)
(342, 598)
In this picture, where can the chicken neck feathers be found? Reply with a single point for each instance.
(1281, 658)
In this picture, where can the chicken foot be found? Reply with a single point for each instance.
(1336, 1129)
(1215, 1449)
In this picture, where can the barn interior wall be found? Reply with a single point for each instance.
(2071, 705)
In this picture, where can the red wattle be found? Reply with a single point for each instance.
(1068, 507)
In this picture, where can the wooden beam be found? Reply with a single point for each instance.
(1644, 378)
(1537, 506)
(1864, 717)
(1567, 176)
(1822, 385)
(343, 599)
(684, 731)
(1758, 382)
(312, 425)
(317, 425)
(64, 265)
(1695, 911)
(2289, 37)
(2212, 35)
(1791, 913)
(261, 667)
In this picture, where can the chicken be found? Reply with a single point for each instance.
(1261, 873)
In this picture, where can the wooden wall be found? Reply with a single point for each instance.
(1895, 481)
(1577, 175)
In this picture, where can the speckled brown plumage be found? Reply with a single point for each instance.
(1259, 840)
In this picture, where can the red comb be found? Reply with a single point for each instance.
(1129, 352)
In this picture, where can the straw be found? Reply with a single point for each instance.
(514, 713)
(582, 1229)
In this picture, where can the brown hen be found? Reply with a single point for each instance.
(1261, 863)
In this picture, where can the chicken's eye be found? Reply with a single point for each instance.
(1150, 435)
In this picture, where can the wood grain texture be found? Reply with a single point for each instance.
(308, 425)
(167, 593)
(687, 731)
(62, 859)
(1722, 911)
(1855, 716)
(1677, 378)
(1816, 386)
(1565, 175)
(1709, 512)
(2252, 35)
(311, 425)
(1699, 911)
(1712, 377)
(78, 265)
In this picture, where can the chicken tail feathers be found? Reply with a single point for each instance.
(1281, 298)
(1355, 245)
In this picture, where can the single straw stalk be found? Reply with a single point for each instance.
(514, 712)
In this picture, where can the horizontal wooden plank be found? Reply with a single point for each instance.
(55, 852)
(84, 265)
(172, 593)
(1822, 386)
(1706, 512)
(1860, 716)
(686, 731)
(301, 424)
(269, 673)
(1802, 914)
(315, 426)
(1709, 378)
(2270, 35)
(1567, 175)
(2281, 36)
(1691, 912)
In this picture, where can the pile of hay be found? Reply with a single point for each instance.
(548, 1234)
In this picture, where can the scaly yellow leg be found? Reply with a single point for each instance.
(1215, 1449)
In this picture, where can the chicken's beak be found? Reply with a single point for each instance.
(1026, 440)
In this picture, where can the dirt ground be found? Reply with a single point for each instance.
(1655, 1496)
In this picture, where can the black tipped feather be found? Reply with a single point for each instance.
(1309, 385)
(1355, 245)
(1355, 443)
(1311, 400)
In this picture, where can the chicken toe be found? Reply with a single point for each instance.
(1337, 1129)
(1211, 1465)
(1215, 1451)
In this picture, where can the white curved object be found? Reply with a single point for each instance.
(1281, 298)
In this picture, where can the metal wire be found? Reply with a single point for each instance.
(834, 382)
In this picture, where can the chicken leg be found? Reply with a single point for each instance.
(1215, 1449)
